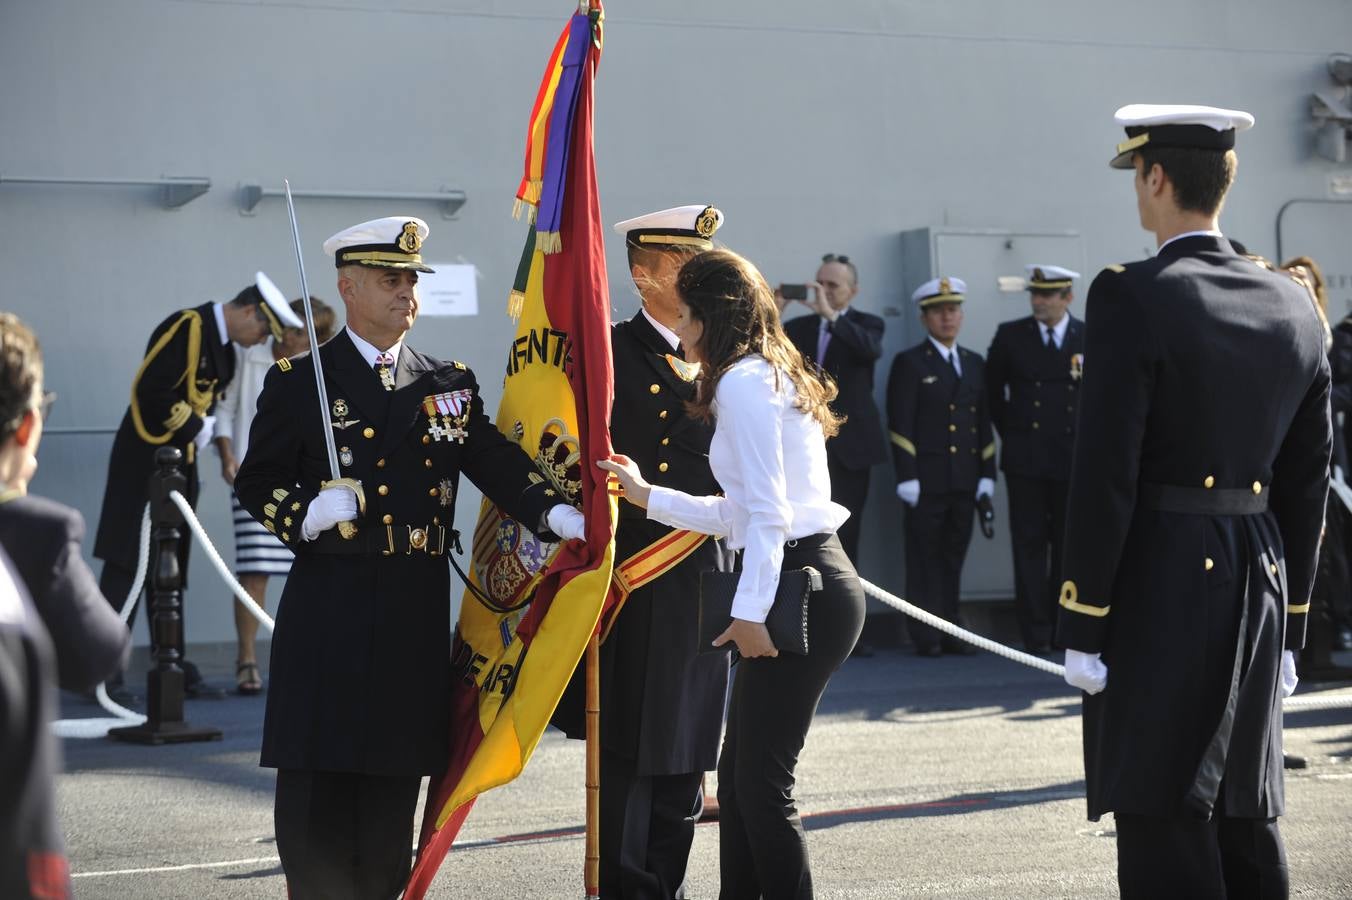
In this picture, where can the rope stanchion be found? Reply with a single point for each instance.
(214, 555)
(1303, 703)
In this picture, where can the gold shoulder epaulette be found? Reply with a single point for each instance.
(284, 364)
(1116, 267)
(1261, 262)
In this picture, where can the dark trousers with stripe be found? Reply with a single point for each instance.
(938, 531)
(1226, 858)
(1037, 525)
(762, 848)
(647, 826)
(344, 835)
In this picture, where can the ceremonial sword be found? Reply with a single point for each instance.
(348, 530)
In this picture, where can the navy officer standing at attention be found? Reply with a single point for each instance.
(361, 651)
(1196, 499)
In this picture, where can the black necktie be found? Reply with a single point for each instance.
(680, 351)
(953, 364)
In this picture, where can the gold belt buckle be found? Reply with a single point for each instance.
(417, 539)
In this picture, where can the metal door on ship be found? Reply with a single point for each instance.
(981, 259)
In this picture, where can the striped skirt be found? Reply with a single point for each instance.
(257, 550)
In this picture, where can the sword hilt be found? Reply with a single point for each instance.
(348, 530)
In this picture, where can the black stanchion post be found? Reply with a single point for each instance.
(164, 690)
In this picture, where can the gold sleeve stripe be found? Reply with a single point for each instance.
(988, 451)
(1070, 600)
(270, 511)
(270, 527)
(903, 443)
(179, 414)
(1298, 610)
(1116, 268)
(194, 350)
(280, 494)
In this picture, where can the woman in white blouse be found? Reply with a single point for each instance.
(769, 454)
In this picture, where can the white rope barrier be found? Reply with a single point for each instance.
(98, 727)
(1303, 703)
(231, 582)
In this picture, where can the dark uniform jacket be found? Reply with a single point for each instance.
(43, 538)
(1036, 421)
(940, 425)
(32, 851)
(661, 700)
(855, 346)
(187, 363)
(1196, 499)
(361, 668)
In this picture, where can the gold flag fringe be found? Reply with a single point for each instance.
(549, 242)
(516, 304)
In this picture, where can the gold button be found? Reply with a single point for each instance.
(380, 464)
(427, 463)
(662, 414)
(951, 407)
(417, 539)
(1273, 568)
(952, 428)
(434, 492)
(1035, 426)
(654, 388)
(383, 490)
(662, 467)
(436, 521)
(973, 409)
(387, 519)
(1257, 487)
(1037, 402)
(952, 449)
(368, 432)
(666, 441)
(1209, 564)
(1209, 481)
(427, 439)
(1037, 384)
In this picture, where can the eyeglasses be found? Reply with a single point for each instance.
(836, 257)
(45, 404)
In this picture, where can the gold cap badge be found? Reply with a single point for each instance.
(408, 240)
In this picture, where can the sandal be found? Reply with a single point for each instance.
(248, 680)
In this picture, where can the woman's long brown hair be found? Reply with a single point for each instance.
(731, 299)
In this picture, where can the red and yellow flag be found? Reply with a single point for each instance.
(516, 649)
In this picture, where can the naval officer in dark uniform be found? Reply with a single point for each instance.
(188, 363)
(661, 699)
(944, 455)
(1032, 383)
(1196, 497)
(361, 653)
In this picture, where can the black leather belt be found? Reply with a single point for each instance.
(389, 540)
(1203, 501)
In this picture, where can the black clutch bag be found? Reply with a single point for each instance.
(786, 621)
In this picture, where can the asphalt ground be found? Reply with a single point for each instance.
(958, 777)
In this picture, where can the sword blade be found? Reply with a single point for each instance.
(329, 444)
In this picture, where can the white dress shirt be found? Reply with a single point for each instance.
(946, 352)
(770, 459)
(1058, 331)
(219, 310)
(1210, 232)
(663, 330)
(369, 351)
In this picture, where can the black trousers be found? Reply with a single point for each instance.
(1037, 526)
(1225, 858)
(938, 530)
(762, 848)
(647, 826)
(345, 835)
(849, 488)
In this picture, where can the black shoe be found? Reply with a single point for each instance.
(934, 651)
(123, 696)
(959, 648)
(198, 689)
(1292, 761)
(1038, 649)
(1342, 638)
(863, 650)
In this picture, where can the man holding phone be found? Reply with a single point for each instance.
(845, 343)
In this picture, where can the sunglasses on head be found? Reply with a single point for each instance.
(835, 257)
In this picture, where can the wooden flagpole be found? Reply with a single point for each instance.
(591, 874)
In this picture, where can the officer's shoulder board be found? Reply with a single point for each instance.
(1115, 267)
(284, 364)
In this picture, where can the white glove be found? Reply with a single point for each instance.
(333, 505)
(1086, 671)
(566, 522)
(1289, 679)
(909, 492)
(985, 488)
(203, 437)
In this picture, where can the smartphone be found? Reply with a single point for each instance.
(793, 291)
